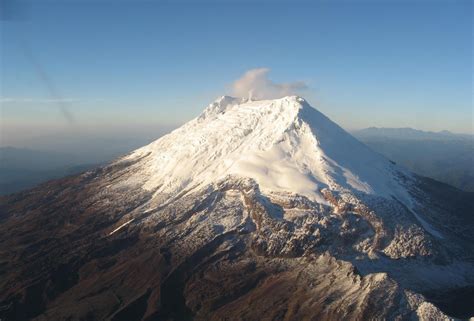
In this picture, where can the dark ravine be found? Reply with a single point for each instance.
(173, 305)
(458, 302)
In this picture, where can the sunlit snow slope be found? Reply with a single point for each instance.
(284, 144)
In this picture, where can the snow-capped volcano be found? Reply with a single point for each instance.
(255, 210)
(284, 144)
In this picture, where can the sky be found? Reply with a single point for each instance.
(72, 68)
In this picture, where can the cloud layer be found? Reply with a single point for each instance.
(255, 84)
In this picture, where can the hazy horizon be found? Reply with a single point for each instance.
(92, 137)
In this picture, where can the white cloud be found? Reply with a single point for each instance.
(256, 84)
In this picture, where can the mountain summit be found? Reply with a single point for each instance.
(254, 210)
(284, 144)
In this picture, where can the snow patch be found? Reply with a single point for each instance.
(427, 226)
(121, 226)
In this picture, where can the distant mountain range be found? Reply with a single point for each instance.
(22, 168)
(408, 133)
(55, 156)
(444, 156)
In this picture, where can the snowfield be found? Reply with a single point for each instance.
(284, 144)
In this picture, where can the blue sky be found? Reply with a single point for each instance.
(124, 63)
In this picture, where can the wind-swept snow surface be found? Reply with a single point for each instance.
(284, 144)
